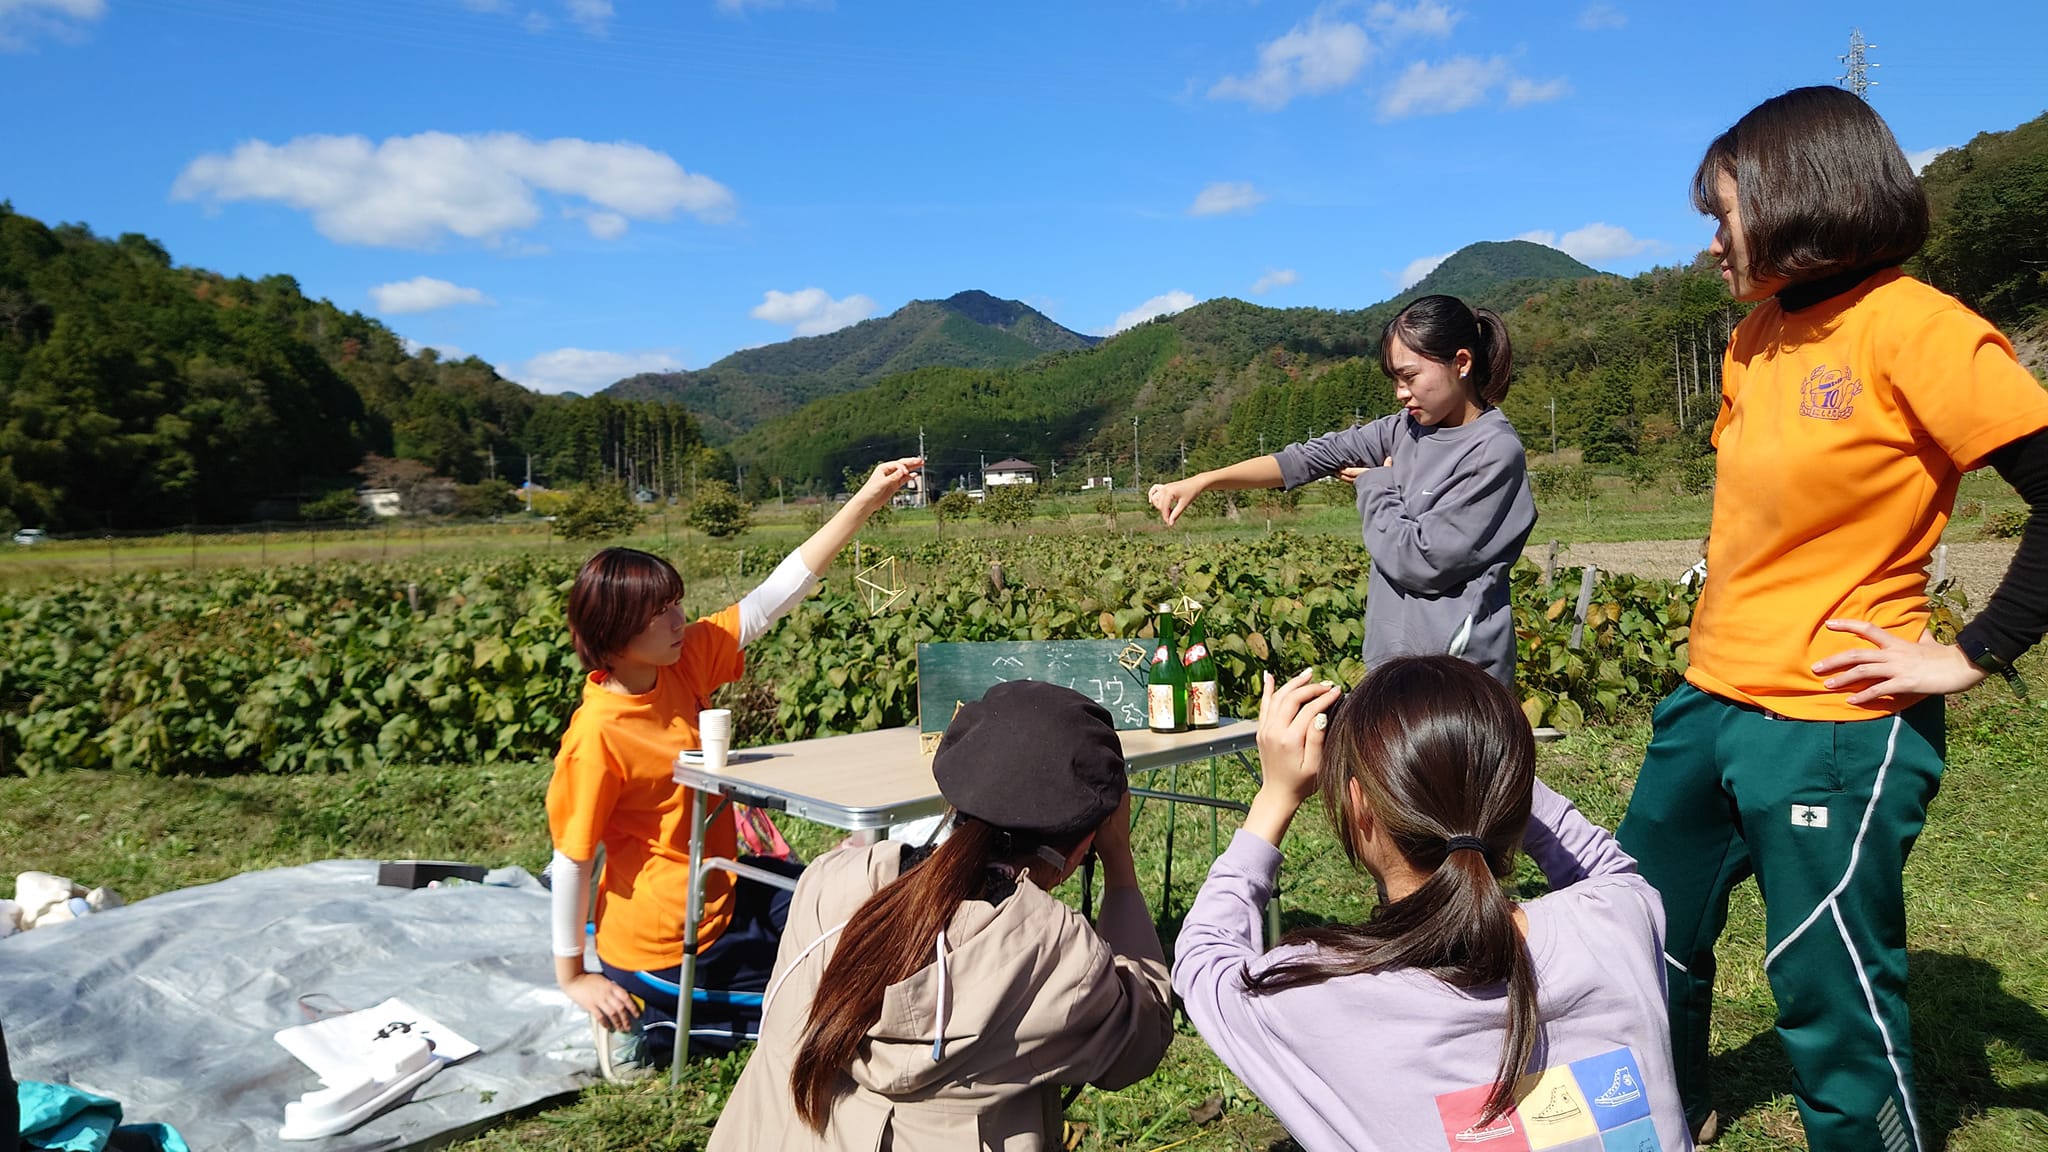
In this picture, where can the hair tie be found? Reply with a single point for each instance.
(1460, 843)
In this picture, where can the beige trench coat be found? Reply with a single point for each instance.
(1035, 999)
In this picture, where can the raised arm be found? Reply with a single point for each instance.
(1567, 846)
(797, 576)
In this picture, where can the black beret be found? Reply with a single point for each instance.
(1033, 757)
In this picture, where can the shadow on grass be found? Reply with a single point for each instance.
(1961, 1014)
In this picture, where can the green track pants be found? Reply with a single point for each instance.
(1823, 815)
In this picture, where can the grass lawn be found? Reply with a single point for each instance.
(1977, 884)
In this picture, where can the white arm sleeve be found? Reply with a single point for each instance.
(784, 589)
(569, 904)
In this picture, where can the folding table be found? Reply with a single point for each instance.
(868, 781)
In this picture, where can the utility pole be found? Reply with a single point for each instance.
(528, 491)
(923, 497)
(1553, 427)
(1857, 78)
(1136, 483)
(1183, 459)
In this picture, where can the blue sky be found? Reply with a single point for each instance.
(578, 189)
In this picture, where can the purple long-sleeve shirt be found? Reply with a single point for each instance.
(1401, 1060)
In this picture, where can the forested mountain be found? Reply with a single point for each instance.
(134, 393)
(966, 330)
(1483, 269)
(1989, 244)
(1219, 379)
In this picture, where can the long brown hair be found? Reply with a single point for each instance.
(1438, 749)
(885, 942)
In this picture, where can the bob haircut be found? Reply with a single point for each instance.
(617, 592)
(1820, 185)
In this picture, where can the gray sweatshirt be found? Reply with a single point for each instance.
(1402, 1060)
(1443, 524)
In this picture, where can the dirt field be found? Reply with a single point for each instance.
(1976, 564)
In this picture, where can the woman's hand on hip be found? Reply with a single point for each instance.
(1895, 667)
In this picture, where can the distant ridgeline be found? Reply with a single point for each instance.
(966, 330)
(135, 394)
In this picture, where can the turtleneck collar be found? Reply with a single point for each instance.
(1804, 295)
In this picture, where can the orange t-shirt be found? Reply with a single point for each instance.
(614, 785)
(1844, 430)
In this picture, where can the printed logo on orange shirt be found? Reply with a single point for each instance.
(1828, 394)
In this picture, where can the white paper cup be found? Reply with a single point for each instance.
(714, 732)
(715, 751)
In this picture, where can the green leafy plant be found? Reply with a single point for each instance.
(598, 511)
(719, 512)
(1009, 504)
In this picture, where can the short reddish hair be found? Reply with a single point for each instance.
(617, 592)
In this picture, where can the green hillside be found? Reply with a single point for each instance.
(135, 393)
(1483, 269)
(1222, 378)
(968, 330)
(1989, 243)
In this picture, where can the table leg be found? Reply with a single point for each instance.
(693, 910)
(1166, 882)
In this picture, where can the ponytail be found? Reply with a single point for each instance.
(887, 940)
(1494, 359)
(1439, 327)
(1437, 748)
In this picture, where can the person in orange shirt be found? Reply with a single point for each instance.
(1807, 741)
(650, 673)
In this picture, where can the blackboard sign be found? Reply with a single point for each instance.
(1110, 672)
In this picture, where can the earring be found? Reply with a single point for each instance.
(1465, 373)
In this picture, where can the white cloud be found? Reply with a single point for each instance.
(1224, 197)
(1426, 18)
(1418, 268)
(1278, 278)
(423, 294)
(813, 311)
(64, 19)
(443, 351)
(1601, 17)
(1919, 160)
(1523, 92)
(1593, 243)
(1316, 56)
(1598, 242)
(586, 370)
(1167, 305)
(593, 16)
(1427, 89)
(411, 191)
(603, 225)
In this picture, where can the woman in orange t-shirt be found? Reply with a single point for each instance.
(650, 673)
(1807, 741)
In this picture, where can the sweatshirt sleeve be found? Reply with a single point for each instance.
(1435, 547)
(1567, 846)
(1221, 937)
(1133, 1034)
(1360, 444)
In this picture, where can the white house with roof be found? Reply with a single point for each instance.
(1011, 471)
